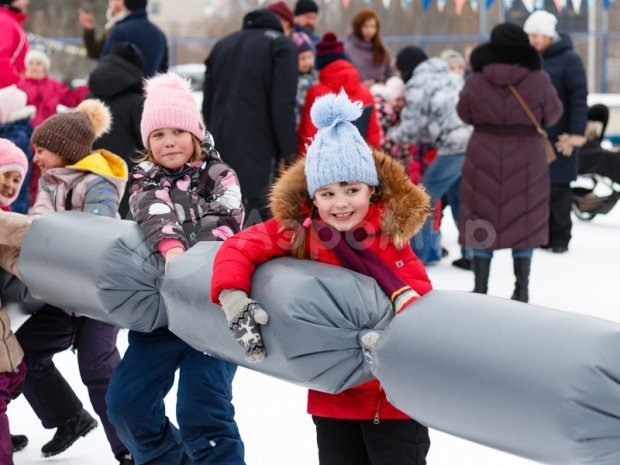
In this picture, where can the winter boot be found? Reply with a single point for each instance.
(69, 432)
(482, 267)
(19, 442)
(125, 458)
(522, 274)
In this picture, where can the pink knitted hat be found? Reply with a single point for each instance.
(169, 104)
(12, 158)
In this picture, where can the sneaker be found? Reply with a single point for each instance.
(19, 442)
(69, 432)
(463, 263)
(444, 252)
(125, 458)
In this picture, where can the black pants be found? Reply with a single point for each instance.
(560, 223)
(361, 442)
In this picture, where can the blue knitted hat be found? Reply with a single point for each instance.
(338, 152)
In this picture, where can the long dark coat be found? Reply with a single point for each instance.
(249, 101)
(568, 76)
(505, 183)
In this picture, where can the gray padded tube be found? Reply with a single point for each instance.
(95, 266)
(313, 342)
(532, 381)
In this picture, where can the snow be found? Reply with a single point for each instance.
(271, 413)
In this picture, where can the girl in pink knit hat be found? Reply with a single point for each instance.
(181, 193)
(13, 167)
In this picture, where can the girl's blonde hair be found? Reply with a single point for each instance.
(198, 155)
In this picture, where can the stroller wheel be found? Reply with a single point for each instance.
(583, 216)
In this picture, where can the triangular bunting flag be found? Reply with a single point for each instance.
(458, 7)
(386, 4)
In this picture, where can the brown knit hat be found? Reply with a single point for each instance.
(71, 135)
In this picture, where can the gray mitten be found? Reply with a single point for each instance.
(244, 316)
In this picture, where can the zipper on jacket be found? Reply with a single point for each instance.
(375, 419)
(8, 352)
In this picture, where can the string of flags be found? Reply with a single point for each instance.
(530, 5)
(54, 45)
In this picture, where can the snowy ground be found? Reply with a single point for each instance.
(271, 413)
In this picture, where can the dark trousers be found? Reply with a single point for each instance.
(361, 442)
(10, 388)
(207, 434)
(560, 223)
(50, 331)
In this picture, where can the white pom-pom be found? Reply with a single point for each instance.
(168, 80)
(98, 114)
(332, 109)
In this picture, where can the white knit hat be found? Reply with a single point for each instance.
(34, 54)
(541, 22)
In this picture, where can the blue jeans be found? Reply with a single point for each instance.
(207, 433)
(516, 253)
(442, 177)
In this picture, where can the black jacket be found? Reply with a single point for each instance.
(249, 101)
(118, 84)
(569, 79)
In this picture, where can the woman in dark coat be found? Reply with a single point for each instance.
(505, 183)
(569, 79)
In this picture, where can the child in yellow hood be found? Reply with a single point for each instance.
(73, 177)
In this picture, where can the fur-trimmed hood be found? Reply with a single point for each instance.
(488, 53)
(405, 206)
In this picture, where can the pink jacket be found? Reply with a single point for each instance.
(45, 94)
(13, 46)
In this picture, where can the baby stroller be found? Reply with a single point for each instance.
(597, 189)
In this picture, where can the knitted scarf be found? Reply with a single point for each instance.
(364, 261)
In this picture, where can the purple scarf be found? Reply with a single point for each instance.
(362, 260)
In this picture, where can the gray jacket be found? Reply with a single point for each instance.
(430, 111)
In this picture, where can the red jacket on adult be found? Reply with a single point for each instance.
(338, 75)
(390, 223)
(13, 46)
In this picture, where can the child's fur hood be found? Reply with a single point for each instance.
(406, 206)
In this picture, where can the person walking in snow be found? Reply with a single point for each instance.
(568, 76)
(431, 95)
(181, 193)
(505, 184)
(347, 205)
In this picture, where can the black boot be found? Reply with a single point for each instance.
(522, 274)
(69, 432)
(19, 442)
(481, 267)
(125, 458)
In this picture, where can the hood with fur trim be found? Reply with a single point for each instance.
(404, 210)
(487, 54)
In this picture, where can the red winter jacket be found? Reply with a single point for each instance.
(390, 223)
(13, 46)
(47, 93)
(338, 75)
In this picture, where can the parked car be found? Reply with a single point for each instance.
(195, 72)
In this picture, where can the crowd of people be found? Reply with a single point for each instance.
(338, 152)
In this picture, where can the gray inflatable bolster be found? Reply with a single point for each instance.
(314, 343)
(95, 266)
(531, 381)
